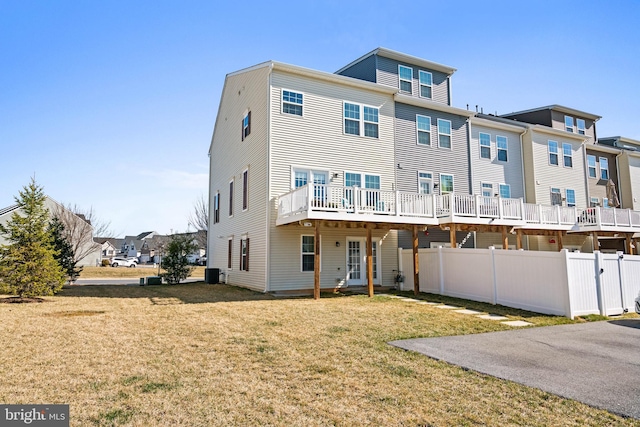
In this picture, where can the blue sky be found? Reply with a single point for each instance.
(111, 104)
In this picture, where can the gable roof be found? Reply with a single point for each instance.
(559, 108)
(8, 209)
(402, 57)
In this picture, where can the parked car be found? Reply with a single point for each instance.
(124, 262)
(203, 261)
(638, 304)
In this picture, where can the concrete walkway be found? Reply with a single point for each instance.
(595, 363)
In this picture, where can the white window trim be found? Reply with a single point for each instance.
(232, 198)
(420, 84)
(480, 146)
(595, 166)
(310, 170)
(482, 188)
(564, 155)
(418, 130)
(246, 170)
(450, 135)
(362, 178)
(230, 238)
(557, 192)
(314, 252)
(245, 255)
(566, 128)
(361, 120)
(601, 168)
(566, 199)
(400, 79)
(556, 153)
(584, 126)
(453, 183)
(420, 179)
(282, 102)
(502, 184)
(503, 149)
(594, 200)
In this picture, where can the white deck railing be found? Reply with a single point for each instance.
(448, 208)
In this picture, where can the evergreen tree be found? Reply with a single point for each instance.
(65, 254)
(175, 261)
(27, 263)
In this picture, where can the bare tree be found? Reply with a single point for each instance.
(199, 219)
(79, 228)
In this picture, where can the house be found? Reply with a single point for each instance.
(86, 250)
(108, 245)
(318, 178)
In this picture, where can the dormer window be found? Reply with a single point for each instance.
(406, 78)
(580, 126)
(568, 123)
(426, 81)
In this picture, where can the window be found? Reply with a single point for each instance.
(571, 197)
(291, 102)
(446, 184)
(425, 182)
(594, 202)
(553, 152)
(556, 197)
(426, 80)
(604, 168)
(308, 253)
(605, 202)
(246, 125)
(502, 144)
(444, 133)
(353, 125)
(245, 190)
(485, 145)
(591, 165)
(487, 189)
(568, 123)
(229, 252)
(231, 198)
(423, 124)
(244, 254)
(352, 179)
(505, 191)
(580, 126)
(216, 208)
(406, 78)
(567, 155)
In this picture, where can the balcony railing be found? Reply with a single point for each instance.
(387, 206)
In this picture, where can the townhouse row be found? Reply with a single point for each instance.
(316, 179)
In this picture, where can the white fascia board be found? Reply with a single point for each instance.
(402, 57)
(431, 105)
(519, 128)
(557, 132)
(560, 108)
(603, 148)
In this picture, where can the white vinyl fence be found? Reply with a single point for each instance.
(559, 283)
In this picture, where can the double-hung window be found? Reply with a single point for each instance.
(594, 202)
(425, 182)
(423, 125)
(292, 102)
(230, 252)
(426, 83)
(485, 145)
(567, 155)
(246, 125)
(571, 197)
(244, 254)
(505, 191)
(604, 168)
(406, 78)
(361, 120)
(502, 145)
(591, 165)
(556, 197)
(216, 208)
(568, 123)
(444, 133)
(580, 126)
(446, 183)
(553, 152)
(231, 198)
(605, 202)
(487, 189)
(308, 253)
(245, 189)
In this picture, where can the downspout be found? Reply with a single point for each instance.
(475, 240)
(524, 181)
(618, 183)
(449, 97)
(267, 282)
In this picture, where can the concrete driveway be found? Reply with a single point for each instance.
(595, 363)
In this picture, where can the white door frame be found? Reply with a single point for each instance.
(362, 281)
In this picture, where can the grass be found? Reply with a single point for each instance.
(203, 355)
(125, 272)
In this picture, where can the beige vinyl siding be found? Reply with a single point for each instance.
(492, 170)
(388, 75)
(529, 168)
(548, 176)
(550, 243)
(413, 157)
(484, 240)
(557, 122)
(630, 181)
(316, 141)
(230, 156)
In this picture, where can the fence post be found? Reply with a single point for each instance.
(599, 270)
(494, 300)
(621, 279)
(568, 283)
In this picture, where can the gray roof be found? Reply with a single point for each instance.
(8, 209)
(560, 108)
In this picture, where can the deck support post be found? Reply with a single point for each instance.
(505, 238)
(518, 239)
(369, 261)
(628, 243)
(416, 262)
(452, 235)
(594, 241)
(316, 263)
(560, 245)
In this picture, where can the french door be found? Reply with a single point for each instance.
(357, 261)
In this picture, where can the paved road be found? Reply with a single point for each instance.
(595, 363)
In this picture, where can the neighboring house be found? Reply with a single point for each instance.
(628, 170)
(109, 248)
(317, 178)
(90, 250)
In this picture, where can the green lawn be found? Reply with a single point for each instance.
(206, 355)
